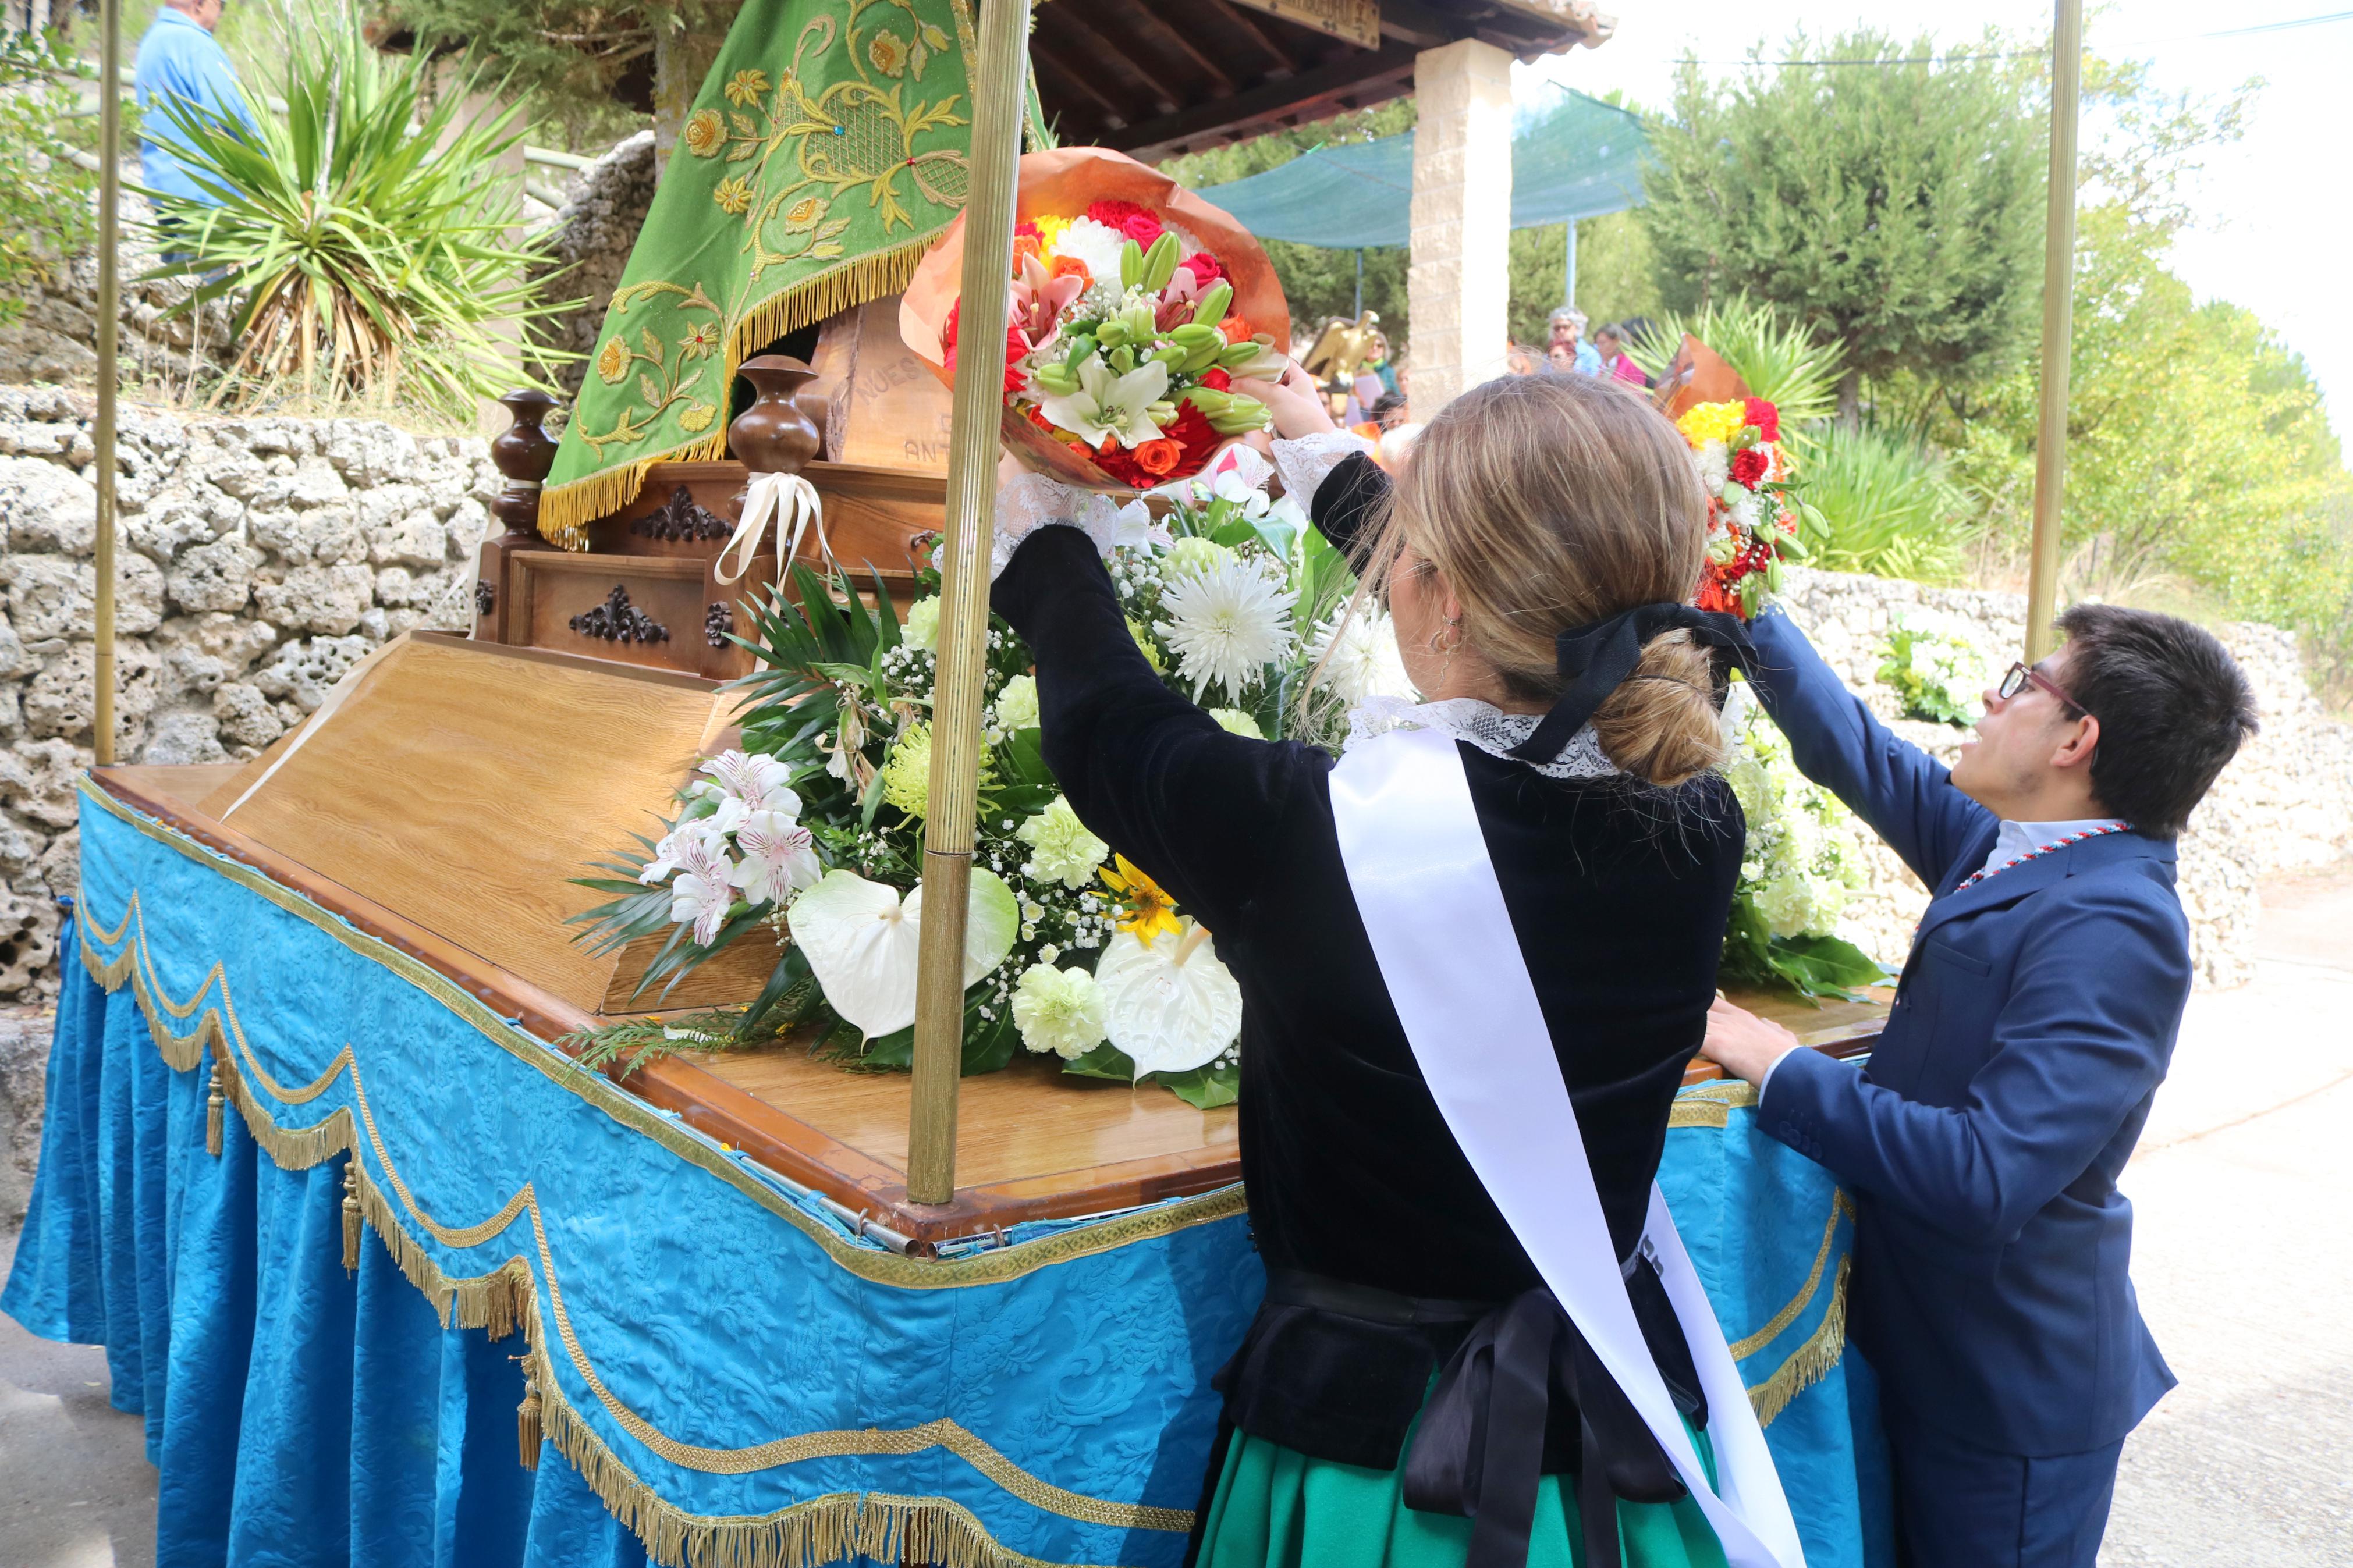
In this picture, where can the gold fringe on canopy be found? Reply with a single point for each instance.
(566, 510)
(1811, 1363)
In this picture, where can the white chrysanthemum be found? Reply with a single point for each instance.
(1715, 461)
(922, 628)
(1225, 623)
(1234, 721)
(1016, 705)
(1061, 848)
(1099, 245)
(1358, 655)
(1058, 1010)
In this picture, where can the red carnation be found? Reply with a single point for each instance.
(1216, 379)
(1748, 464)
(1137, 222)
(1024, 230)
(1766, 417)
(1204, 267)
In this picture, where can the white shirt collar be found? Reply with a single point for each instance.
(2016, 840)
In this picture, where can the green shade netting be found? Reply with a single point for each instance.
(1577, 158)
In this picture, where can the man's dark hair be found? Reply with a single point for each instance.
(1387, 404)
(2173, 708)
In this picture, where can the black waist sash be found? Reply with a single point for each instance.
(1477, 1451)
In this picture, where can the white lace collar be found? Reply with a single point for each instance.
(1489, 728)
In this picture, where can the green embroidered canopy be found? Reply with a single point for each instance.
(825, 150)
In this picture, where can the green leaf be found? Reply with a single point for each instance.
(1107, 1061)
(1205, 1088)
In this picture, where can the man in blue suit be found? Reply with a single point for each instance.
(2034, 1020)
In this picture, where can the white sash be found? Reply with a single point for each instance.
(792, 502)
(1427, 891)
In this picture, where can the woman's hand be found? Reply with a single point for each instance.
(1295, 401)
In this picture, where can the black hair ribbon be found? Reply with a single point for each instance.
(1595, 660)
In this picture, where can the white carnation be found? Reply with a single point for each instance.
(1059, 1011)
(1099, 245)
(922, 628)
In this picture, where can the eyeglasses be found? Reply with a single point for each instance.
(2022, 675)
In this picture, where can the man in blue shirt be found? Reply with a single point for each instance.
(1568, 325)
(2035, 1019)
(179, 59)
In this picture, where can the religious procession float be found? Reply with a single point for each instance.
(570, 1033)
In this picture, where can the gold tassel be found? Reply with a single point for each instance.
(351, 1217)
(527, 1426)
(214, 1104)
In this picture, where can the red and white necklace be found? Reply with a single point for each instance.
(2041, 849)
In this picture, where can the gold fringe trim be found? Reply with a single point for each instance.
(1811, 1363)
(1781, 1320)
(566, 510)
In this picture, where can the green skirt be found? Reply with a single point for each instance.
(1276, 1508)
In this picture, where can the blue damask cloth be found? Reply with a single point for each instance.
(722, 1372)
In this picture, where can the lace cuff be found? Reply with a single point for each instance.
(1031, 501)
(1305, 463)
(1485, 727)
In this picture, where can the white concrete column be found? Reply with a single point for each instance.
(1458, 278)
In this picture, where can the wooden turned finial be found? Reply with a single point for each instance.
(775, 435)
(524, 452)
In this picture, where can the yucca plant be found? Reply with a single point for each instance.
(1880, 502)
(359, 233)
(1780, 358)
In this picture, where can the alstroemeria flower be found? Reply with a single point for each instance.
(759, 782)
(1111, 406)
(705, 890)
(779, 855)
(671, 852)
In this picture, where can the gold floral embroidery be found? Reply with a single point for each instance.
(706, 133)
(746, 88)
(697, 418)
(733, 195)
(888, 53)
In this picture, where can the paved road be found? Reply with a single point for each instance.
(2242, 1186)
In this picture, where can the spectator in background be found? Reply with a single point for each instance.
(179, 59)
(1568, 327)
(1610, 343)
(1565, 359)
(1519, 360)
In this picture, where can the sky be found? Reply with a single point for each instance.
(2276, 226)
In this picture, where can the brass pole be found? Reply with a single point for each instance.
(999, 81)
(2058, 323)
(110, 310)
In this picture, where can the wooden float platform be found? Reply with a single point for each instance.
(459, 785)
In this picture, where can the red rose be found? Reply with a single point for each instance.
(1216, 379)
(1748, 463)
(1142, 228)
(1766, 417)
(1204, 268)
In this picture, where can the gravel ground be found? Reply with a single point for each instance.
(2242, 1186)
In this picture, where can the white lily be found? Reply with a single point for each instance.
(860, 941)
(1168, 1004)
(779, 855)
(1110, 405)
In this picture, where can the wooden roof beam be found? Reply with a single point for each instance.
(1076, 83)
(1285, 65)
(1148, 21)
(1067, 20)
(1367, 78)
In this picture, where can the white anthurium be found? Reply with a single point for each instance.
(779, 855)
(1109, 404)
(1168, 1004)
(861, 942)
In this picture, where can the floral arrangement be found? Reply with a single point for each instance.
(809, 837)
(1752, 514)
(1803, 859)
(1122, 343)
(1936, 667)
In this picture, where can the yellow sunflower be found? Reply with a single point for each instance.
(733, 195)
(888, 50)
(1145, 910)
(706, 133)
(613, 361)
(697, 418)
(744, 88)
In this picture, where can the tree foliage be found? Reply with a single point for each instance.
(1897, 205)
(46, 214)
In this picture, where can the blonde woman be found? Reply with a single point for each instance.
(1441, 1374)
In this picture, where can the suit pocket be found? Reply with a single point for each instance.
(1945, 953)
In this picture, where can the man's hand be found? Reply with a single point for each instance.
(1742, 1043)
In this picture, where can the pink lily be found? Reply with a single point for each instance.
(1039, 300)
(1177, 301)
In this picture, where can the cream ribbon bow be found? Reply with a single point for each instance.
(792, 503)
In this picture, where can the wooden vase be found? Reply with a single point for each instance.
(775, 435)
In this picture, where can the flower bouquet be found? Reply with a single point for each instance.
(808, 841)
(1752, 510)
(1135, 308)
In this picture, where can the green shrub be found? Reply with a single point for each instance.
(362, 232)
(1880, 503)
(1781, 359)
(45, 207)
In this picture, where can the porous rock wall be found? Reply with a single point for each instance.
(590, 238)
(2283, 805)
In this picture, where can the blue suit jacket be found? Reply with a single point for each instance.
(2036, 1016)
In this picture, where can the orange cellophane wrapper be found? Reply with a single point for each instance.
(1064, 182)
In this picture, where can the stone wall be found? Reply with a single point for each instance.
(590, 240)
(55, 341)
(256, 560)
(2285, 804)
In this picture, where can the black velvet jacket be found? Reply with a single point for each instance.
(1620, 895)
